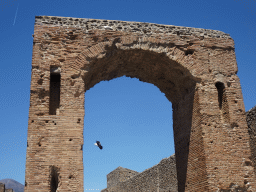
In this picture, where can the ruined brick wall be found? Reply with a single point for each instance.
(161, 177)
(195, 69)
(3, 189)
(9, 190)
(120, 174)
(251, 121)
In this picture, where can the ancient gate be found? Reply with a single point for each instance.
(195, 68)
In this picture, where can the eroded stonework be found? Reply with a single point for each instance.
(161, 177)
(195, 69)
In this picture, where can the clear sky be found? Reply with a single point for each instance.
(132, 119)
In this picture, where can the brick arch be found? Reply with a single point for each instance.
(142, 50)
(152, 66)
(71, 55)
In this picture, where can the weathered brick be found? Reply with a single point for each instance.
(195, 68)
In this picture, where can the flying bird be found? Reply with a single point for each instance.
(98, 144)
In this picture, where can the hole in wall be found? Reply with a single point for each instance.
(248, 163)
(54, 178)
(54, 91)
(220, 88)
(234, 124)
(40, 114)
(75, 76)
(40, 81)
(189, 52)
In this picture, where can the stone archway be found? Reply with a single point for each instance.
(195, 68)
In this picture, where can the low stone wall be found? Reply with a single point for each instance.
(2, 188)
(161, 177)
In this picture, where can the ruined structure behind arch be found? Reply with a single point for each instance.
(195, 69)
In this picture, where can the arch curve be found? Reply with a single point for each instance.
(147, 61)
(184, 63)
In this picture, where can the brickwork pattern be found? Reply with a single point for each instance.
(161, 177)
(120, 174)
(195, 69)
(251, 121)
(3, 189)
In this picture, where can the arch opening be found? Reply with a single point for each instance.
(133, 122)
(174, 80)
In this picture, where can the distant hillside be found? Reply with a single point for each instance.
(12, 184)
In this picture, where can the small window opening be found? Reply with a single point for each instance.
(54, 91)
(54, 179)
(220, 88)
(223, 101)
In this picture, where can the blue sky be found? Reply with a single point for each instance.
(132, 119)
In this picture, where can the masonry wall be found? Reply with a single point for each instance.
(251, 121)
(195, 69)
(3, 189)
(161, 177)
(118, 175)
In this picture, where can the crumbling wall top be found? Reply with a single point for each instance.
(137, 27)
